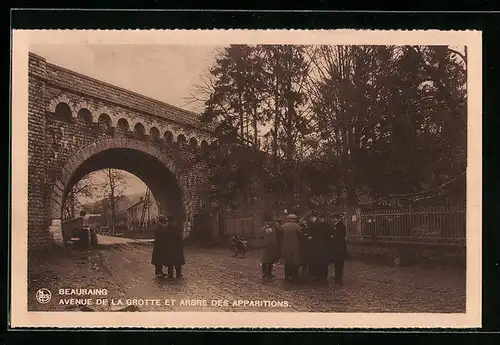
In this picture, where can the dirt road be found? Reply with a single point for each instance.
(211, 276)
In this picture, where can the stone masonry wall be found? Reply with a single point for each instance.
(38, 235)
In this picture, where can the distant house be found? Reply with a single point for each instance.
(149, 208)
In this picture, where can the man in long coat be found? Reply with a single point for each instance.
(339, 247)
(320, 248)
(306, 224)
(279, 233)
(159, 246)
(174, 248)
(270, 247)
(305, 243)
(290, 247)
(168, 249)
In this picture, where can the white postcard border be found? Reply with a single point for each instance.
(20, 317)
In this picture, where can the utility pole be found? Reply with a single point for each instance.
(145, 209)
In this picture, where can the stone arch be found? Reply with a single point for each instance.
(105, 121)
(149, 126)
(122, 124)
(84, 115)
(63, 112)
(204, 145)
(67, 174)
(193, 143)
(51, 106)
(83, 105)
(154, 134)
(168, 137)
(175, 132)
(139, 130)
(103, 110)
(181, 139)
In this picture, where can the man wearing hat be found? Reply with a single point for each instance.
(174, 248)
(159, 246)
(270, 249)
(290, 247)
(339, 247)
(168, 249)
(305, 224)
(320, 254)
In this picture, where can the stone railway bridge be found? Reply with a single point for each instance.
(77, 125)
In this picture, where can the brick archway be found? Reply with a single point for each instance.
(67, 174)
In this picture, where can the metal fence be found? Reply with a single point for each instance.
(446, 225)
(244, 226)
(426, 225)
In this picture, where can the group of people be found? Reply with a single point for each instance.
(168, 249)
(310, 243)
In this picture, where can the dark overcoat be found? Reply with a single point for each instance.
(339, 241)
(159, 245)
(320, 243)
(168, 246)
(279, 233)
(270, 248)
(306, 244)
(291, 250)
(174, 246)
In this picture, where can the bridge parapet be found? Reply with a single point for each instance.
(81, 97)
(127, 124)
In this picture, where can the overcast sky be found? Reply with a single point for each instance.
(163, 72)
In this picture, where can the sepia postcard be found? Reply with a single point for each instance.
(246, 179)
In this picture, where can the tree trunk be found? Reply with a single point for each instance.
(113, 216)
(289, 140)
(276, 121)
(242, 125)
(255, 136)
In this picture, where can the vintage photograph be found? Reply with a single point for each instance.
(247, 177)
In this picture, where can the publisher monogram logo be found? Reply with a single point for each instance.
(43, 296)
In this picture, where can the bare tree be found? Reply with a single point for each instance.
(85, 188)
(113, 188)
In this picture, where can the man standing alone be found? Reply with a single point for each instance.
(339, 247)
